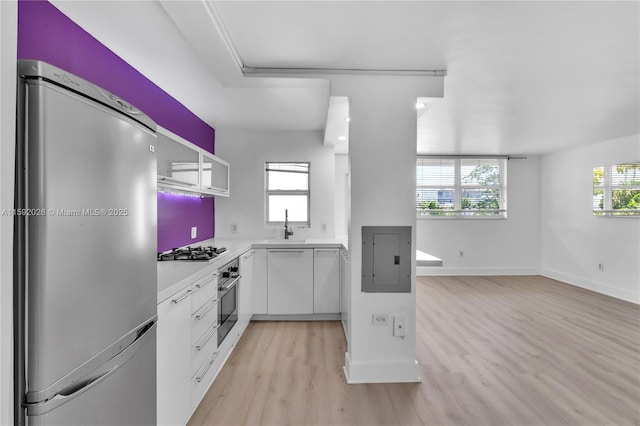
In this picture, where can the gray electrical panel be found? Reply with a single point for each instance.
(386, 259)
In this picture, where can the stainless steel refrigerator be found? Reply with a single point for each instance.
(85, 246)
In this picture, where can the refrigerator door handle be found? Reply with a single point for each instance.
(107, 369)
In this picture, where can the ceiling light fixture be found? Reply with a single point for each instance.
(342, 138)
(420, 105)
(347, 119)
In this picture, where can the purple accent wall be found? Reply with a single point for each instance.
(176, 216)
(46, 34)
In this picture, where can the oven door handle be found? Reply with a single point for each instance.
(224, 290)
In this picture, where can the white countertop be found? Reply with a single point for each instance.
(425, 259)
(175, 275)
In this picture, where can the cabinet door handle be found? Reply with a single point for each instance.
(202, 315)
(286, 251)
(248, 255)
(181, 298)
(203, 344)
(326, 250)
(175, 181)
(206, 283)
(228, 286)
(201, 376)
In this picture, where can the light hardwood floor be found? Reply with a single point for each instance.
(492, 350)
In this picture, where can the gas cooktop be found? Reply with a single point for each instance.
(202, 253)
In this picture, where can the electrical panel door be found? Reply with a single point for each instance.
(386, 259)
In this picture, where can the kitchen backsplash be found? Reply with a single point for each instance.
(46, 34)
(177, 213)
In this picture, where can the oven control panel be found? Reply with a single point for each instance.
(227, 273)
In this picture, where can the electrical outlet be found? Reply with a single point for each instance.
(234, 228)
(323, 228)
(194, 232)
(399, 326)
(601, 267)
(461, 253)
(380, 319)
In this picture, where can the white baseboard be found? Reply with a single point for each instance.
(297, 317)
(618, 293)
(428, 270)
(380, 371)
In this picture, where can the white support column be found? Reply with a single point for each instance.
(382, 155)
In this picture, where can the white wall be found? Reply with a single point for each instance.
(247, 151)
(490, 246)
(573, 241)
(342, 169)
(8, 37)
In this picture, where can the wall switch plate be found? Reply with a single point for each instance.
(399, 326)
(323, 228)
(194, 231)
(601, 267)
(380, 319)
(234, 228)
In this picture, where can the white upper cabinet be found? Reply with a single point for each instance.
(183, 166)
(178, 164)
(215, 175)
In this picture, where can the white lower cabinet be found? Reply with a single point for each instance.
(187, 349)
(245, 291)
(290, 281)
(174, 360)
(204, 335)
(345, 288)
(326, 280)
(260, 281)
(202, 379)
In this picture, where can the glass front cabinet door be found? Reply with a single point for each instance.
(184, 167)
(177, 164)
(215, 175)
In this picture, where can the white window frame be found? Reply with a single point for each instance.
(608, 187)
(458, 212)
(269, 192)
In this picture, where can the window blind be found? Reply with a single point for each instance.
(287, 188)
(461, 187)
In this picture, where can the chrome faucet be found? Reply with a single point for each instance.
(287, 231)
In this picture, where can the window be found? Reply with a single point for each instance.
(287, 190)
(459, 187)
(616, 190)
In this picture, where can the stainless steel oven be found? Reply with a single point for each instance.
(228, 282)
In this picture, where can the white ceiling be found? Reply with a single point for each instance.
(522, 77)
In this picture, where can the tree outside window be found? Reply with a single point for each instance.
(616, 190)
(461, 187)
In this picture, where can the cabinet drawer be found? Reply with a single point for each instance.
(203, 319)
(203, 290)
(203, 348)
(202, 379)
